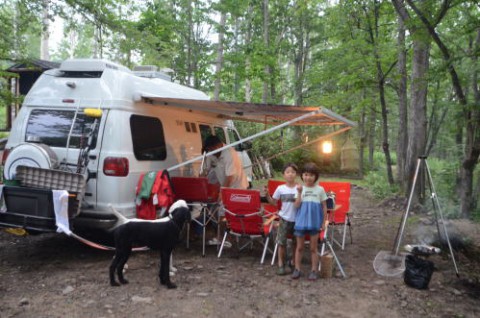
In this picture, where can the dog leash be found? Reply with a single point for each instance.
(103, 247)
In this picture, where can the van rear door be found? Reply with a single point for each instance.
(53, 127)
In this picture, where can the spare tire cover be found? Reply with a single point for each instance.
(31, 155)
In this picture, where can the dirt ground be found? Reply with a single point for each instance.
(55, 276)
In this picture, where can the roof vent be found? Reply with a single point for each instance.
(145, 68)
(151, 71)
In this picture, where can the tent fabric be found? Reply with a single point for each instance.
(260, 113)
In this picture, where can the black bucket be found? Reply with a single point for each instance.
(418, 272)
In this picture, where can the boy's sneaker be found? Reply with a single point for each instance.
(296, 274)
(313, 276)
(281, 271)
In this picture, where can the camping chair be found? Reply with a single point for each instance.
(272, 185)
(245, 219)
(339, 216)
(270, 210)
(200, 195)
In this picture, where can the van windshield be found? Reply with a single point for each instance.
(52, 127)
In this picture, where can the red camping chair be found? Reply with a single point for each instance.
(272, 185)
(193, 189)
(339, 217)
(270, 210)
(199, 194)
(245, 219)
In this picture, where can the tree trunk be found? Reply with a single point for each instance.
(266, 42)
(373, 31)
(219, 63)
(472, 142)
(236, 76)
(418, 111)
(361, 131)
(418, 101)
(44, 43)
(248, 62)
(385, 139)
(301, 54)
(189, 60)
(371, 124)
(402, 103)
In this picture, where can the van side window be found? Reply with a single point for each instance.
(220, 133)
(205, 131)
(148, 138)
(52, 127)
(233, 136)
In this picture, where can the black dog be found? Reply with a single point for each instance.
(160, 235)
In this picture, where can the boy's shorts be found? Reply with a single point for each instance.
(300, 233)
(284, 228)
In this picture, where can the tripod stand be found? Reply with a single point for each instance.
(422, 162)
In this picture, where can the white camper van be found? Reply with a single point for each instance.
(127, 137)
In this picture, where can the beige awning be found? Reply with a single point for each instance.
(259, 113)
(278, 116)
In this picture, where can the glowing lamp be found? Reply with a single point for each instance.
(327, 147)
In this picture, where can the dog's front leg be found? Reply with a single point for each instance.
(164, 272)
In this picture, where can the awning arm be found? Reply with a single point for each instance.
(269, 130)
(331, 114)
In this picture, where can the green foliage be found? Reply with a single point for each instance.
(20, 30)
(377, 183)
(81, 35)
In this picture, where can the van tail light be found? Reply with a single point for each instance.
(115, 166)
(6, 152)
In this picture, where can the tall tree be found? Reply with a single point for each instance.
(219, 61)
(471, 114)
(45, 42)
(372, 28)
(266, 41)
(417, 131)
(402, 101)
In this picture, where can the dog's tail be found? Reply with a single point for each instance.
(120, 217)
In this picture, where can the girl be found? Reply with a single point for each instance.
(311, 203)
(286, 194)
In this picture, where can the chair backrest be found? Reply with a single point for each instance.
(193, 189)
(243, 211)
(272, 185)
(342, 198)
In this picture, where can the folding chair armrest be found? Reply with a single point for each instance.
(270, 219)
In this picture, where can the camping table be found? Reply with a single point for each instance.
(202, 196)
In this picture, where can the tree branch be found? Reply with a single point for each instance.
(445, 53)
